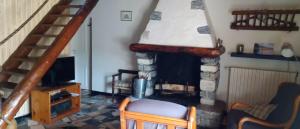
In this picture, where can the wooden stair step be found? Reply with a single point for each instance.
(9, 85)
(37, 46)
(16, 72)
(62, 15)
(27, 84)
(7, 88)
(53, 25)
(27, 59)
(44, 35)
(69, 6)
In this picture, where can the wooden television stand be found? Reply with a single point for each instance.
(41, 104)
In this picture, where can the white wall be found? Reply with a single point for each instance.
(221, 18)
(80, 50)
(112, 37)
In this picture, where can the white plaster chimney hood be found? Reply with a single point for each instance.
(179, 23)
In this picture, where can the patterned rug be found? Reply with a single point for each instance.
(97, 112)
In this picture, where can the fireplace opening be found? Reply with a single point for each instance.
(179, 74)
(178, 68)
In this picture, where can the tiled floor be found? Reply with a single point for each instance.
(97, 112)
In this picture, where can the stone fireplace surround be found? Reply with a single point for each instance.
(209, 112)
(209, 71)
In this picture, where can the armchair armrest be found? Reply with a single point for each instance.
(114, 78)
(259, 122)
(121, 71)
(124, 104)
(239, 105)
(192, 118)
(115, 75)
(122, 109)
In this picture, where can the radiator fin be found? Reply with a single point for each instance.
(255, 86)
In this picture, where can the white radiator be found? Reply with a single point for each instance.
(255, 86)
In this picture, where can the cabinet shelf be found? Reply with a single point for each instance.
(42, 104)
(60, 101)
(267, 57)
(64, 114)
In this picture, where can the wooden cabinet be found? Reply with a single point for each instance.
(41, 103)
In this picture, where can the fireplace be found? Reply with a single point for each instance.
(192, 71)
(179, 47)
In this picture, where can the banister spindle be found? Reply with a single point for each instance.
(254, 19)
(267, 19)
(242, 20)
(273, 20)
(292, 20)
(247, 19)
(286, 20)
(279, 20)
(261, 19)
(171, 126)
(236, 18)
(140, 124)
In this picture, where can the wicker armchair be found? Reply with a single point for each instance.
(119, 83)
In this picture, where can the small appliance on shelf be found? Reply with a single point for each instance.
(263, 48)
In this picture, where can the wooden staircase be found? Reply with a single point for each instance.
(30, 77)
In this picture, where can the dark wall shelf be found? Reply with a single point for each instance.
(257, 56)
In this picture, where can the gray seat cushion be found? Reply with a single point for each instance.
(156, 107)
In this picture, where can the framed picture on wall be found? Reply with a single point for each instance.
(126, 15)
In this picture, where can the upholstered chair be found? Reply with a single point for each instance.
(285, 116)
(155, 114)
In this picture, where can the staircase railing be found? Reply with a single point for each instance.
(22, 91)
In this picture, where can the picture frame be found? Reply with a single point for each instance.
(126, 15)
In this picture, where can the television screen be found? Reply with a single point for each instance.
(60, 73)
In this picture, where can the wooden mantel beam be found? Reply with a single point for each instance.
(197, 51)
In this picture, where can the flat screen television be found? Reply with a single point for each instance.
(60, 73)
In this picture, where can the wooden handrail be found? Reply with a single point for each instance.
(11, 106)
